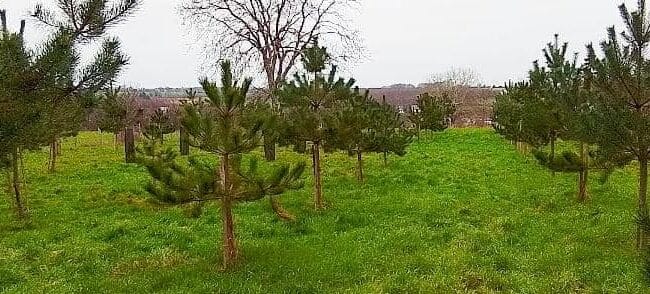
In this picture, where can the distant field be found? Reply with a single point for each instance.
(462, 212)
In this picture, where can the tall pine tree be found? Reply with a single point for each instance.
(620, 119)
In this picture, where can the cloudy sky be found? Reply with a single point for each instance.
(407, 40)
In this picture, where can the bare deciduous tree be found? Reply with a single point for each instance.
(457, 77)
(269, 36)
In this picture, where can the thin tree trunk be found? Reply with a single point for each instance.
(230, 253)
(15, 161)
(129, 145)
(584, 173)
(22, 164)
(318, 188)
(269, 149)
(184, 142)
(643, 207)
(9, 184)
(552, 157)
(280, 211)
(385, 158)
(552, 149)
(116, 141)
(359, 166)
(54, 152)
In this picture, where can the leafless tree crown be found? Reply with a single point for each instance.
(268, 36)
(457, 77)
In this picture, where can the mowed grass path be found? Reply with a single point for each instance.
(462, 212)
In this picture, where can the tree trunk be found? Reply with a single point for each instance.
(184, 142)
(129, 145)
(359, 166)
(230, 253)
(280, 211)
(269, 149)
(318, 188)
(9, 184)
(385, 158)
(116, 141)
(584, 173)
(15, 161)
(552, 157)
(54, 152)
(643, 207)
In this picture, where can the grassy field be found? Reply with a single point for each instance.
(462, 212)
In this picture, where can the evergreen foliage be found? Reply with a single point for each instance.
(309, 104)
(433, 113)
(160, 123)
(619, 120)
(350, 128)
(562, 84)
(117, 110)
(221, 125)
(388, 132)
(43, 89)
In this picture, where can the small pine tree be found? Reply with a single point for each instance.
(388, 132)
(508, 112)
(561, 83)
(160, 123)
(308, 105)
(350, 128)
(433, 113)
(221, 126)
(117, 114)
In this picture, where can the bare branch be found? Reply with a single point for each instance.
(271, 34)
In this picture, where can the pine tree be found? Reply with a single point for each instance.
(619, 119)
(562, 84)
(221, 126)
(508, 112)
(388, 133)
(159, 124)
(525, 115)
(117, 114)
(433, 113)
(35, 83)
(308, 104)
(349, 128)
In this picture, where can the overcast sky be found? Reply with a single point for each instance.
(407, 40)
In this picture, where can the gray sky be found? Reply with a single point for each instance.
(407, 40)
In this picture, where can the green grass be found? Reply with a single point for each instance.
(462, 212)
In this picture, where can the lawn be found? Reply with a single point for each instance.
(462, 212)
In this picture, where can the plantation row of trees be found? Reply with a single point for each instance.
(599, 105)
(118, 112)
(316, 111)
(46, 93)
